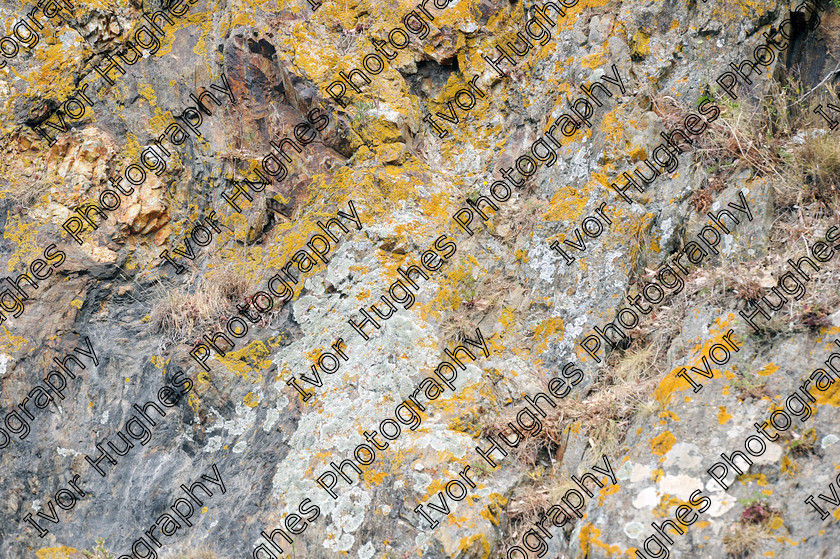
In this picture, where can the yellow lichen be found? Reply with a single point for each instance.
(61, 552)
(661, 444)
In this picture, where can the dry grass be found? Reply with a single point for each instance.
(782, 136)
(778, 135)
(740, 285)
(791, 235)
(743, 539)
(30, 193)
(471, 301)
(619, 394)
(178, 314)
(819, 157)
(603, 416)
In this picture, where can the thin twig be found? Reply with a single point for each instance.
(825, 79)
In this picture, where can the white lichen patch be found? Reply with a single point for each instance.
(67, 452)
(634, 530)
(647, 498)
(367, 551)
(680, 486)
(271, 417)
(4, 360)
(685, 456)
(213, 444)
(243, 421)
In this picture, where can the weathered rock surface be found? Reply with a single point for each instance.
(406, 182)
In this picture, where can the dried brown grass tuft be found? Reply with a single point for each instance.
(469, 302)
(178, 314)
(603, 417)
(777, 135)
(819, 157)
(745, 537)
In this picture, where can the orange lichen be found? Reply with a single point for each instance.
(589, 538)
(661, 444)
(61, 552)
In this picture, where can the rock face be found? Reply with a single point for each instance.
(305, 161)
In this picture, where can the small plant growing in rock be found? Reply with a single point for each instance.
(701, 200)
(748, 386)
(756, 498)
(757, 513)
(363, 110)
(746, 535)
(99, 552)
(468, 289)
(748, 290)
(481, 468)
(815, 317)
(804, 444)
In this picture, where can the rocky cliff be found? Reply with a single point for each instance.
(470, 279)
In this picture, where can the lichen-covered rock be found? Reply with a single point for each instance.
(402, 154)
